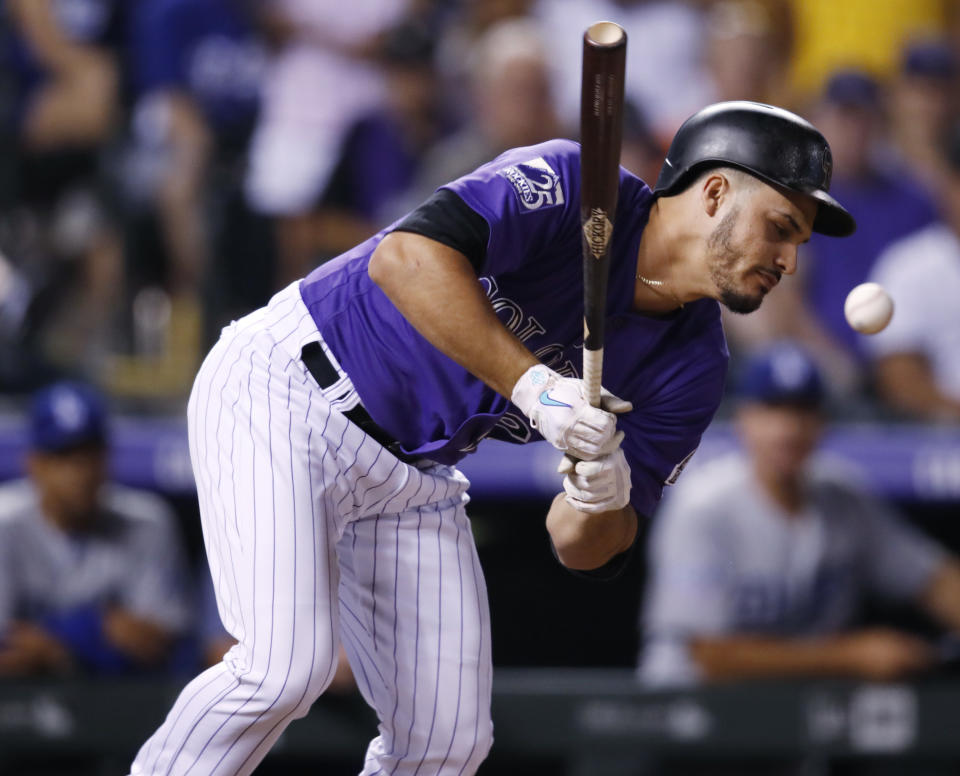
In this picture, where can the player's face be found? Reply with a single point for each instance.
(755, 243)
(779, 438)
(69, 485)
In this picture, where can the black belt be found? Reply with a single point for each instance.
(325, 373)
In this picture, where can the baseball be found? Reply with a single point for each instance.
(868, 308)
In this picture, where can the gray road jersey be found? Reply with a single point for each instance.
(725, 559)
(134, 559)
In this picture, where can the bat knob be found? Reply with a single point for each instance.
(605, 34)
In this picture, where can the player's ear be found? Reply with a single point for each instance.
(714, 188)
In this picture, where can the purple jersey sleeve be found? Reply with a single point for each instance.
(529, 198)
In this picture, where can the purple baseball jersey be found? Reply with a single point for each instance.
(672, 367)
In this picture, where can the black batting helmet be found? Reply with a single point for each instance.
(770, 143)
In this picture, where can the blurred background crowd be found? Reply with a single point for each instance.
(167, 165)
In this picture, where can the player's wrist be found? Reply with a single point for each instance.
(557, 407)
(586, 540)
(530, 386)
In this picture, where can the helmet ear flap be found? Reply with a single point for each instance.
(770, 143)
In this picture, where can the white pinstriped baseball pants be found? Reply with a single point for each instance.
(317, 535)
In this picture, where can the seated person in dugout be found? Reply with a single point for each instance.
(92, 574)
(761, 561)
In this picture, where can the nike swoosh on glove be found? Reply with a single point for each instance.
(558, 409)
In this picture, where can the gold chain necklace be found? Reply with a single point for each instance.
(659, 287)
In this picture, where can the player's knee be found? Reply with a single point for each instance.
(454, 745)
(469, 748)
(288, 685)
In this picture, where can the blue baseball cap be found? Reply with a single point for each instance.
(930, 58)
(852, 88)
(783, 373)
(67, 415)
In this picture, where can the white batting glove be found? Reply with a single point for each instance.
(597, 486)
(558, 409)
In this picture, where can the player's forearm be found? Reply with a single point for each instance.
(437, 291)
(139, 639)
(746, 657)
(587, 541)
(26, 648)
(906, 382)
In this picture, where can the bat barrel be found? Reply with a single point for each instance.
(601, 119)
(601, 114)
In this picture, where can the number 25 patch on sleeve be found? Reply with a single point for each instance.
(535, 183)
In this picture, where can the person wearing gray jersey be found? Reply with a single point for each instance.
(761, 562)
(92, 575)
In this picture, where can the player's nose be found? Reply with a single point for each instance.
(786, 260)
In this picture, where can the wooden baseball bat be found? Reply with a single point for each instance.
(601, 130)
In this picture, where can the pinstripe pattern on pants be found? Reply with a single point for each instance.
(316, 534)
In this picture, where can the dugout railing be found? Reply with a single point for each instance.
(571, 722)
(901, 461)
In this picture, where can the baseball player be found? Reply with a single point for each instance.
(325, 428)
(762, 560)
(93, 577)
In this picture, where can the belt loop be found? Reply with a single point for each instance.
(318, 365)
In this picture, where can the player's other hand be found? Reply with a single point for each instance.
(882, 654)
(28, 649)
(601, 485)
(558, 409)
